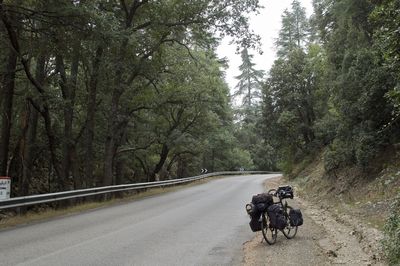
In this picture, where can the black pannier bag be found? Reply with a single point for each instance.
(255, 224)
(253, 211)
(277, 216)
(264, 198)
(262, 207)
(295, 217)
(258, 205)
(250, 209)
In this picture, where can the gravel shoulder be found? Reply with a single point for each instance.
(323, 239)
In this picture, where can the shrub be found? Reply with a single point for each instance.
(326, 129)
(338, 154)
(391, 241)
(367, 146)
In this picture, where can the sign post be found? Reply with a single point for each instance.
(5, 187)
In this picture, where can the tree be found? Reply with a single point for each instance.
(169, 22)
(7, 94)
(295, 95)
(385, 18)
(359, 81)
(250, 80)
(295, 30)
(249, 89)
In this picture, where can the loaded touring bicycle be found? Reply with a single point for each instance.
(269, 216)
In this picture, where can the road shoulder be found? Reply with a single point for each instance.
(322, 240)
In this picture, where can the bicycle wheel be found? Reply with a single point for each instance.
(289, 231)
(268, 233)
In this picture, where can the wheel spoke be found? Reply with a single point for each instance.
(269, 234)
(289, 231)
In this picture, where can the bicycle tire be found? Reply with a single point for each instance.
(269, 234)
(289, 231)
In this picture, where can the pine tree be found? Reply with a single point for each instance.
(250, 80)
(295, 30)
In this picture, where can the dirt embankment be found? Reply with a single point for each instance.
(325, 238)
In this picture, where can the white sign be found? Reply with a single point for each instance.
(5, 187)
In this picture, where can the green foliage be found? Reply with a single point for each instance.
(326, 128)
(359, 82)
(391, 241)
(128, 91)
(248, 115)
(295, 30)
(340, 90)
(286, 162)
(264, 156)
(250, 80)
(241, 159)
(294, 101)
(385, 18)
(338, 155)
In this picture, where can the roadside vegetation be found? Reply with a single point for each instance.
(330, 108)
(391, 242)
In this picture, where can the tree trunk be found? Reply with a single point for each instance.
(90, 120)
(110, 144)
(160, 164)
(6, 112)
(28, 148)
(68, 88)
(119, 178)
(113, 121)
(78, 180)
(182, 168)
(29, 136)
(108, 161)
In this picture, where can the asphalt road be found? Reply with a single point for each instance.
(201, 225)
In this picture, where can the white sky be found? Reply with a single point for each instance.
(266, 24)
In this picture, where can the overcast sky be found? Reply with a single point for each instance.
(267, 24)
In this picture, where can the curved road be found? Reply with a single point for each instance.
(201, 225)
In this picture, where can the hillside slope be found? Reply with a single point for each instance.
(323, 239)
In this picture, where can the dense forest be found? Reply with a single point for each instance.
(109, 92)
(334, 85)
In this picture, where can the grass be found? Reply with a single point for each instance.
(49, 213)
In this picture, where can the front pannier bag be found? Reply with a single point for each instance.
(262, 201)
(277, 216)
(255, 224)
(295, 217)
(252, 210)
(258, 205)
(263, 198)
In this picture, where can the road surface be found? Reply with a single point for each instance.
(201, 225)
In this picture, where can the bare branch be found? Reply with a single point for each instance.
(184, 45)
(123, 4)
(132, 149)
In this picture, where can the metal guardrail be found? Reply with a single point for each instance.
(52, 197)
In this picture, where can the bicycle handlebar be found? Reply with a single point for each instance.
(282, 192)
